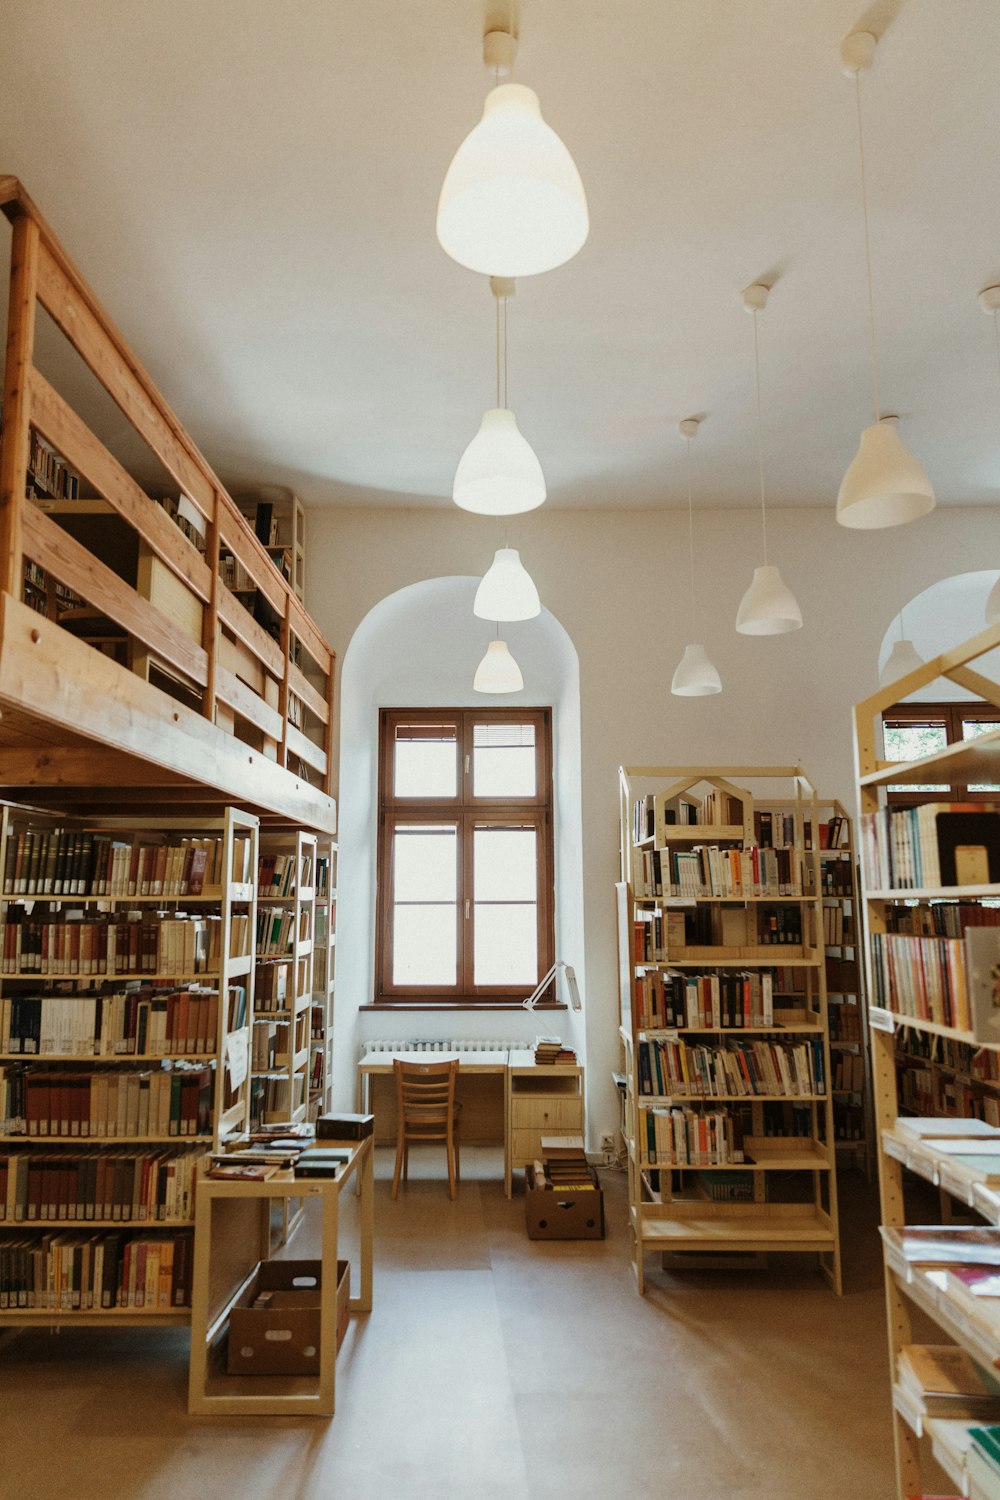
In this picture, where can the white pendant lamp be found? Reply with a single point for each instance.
(695, 676)
(902, 658)
(885, 485)
(498, 672)
(498, 474)
(989, 301)
(507, 591)
(768, 607)
(512, 203)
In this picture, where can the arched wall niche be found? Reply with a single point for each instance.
(419, 647)
(943, 615)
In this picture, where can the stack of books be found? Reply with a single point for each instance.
(564, 1165)
(549, 1050)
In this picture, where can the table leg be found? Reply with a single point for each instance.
(198, 1365)
(366, 1182)
(326, 1402)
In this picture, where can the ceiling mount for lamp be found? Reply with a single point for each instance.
(512, 203)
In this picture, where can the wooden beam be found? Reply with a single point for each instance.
(210, 617)
(78, 767)
(303, 689)
(243, 625)
(976, 683)
(303, 747)
(310, 637)
(88, 329)
(15, 441)
(47, 673)
(244, 701)
(83, 451)
(241, 542)
(59, 553)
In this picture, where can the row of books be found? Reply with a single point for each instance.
(35, 1102)
(111, 1184)
(935, 844)
(275, 933)
(669, 998)
(275, 1097)
(81, 862)
(706, 870)
(837, 878)
(76, 943)
(50, 471)
(838, 927)
(941, 918)
(790, 1069)
(662, 935)
(687, 1138)
(80, 1271)
(845, 1022)
(980, 1063)
(276, 874)
(271, 987)
(848, 1121)
(270, 1045)
(138, 1021)
(848, 1073)
(922, 977)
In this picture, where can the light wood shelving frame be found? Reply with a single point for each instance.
(300, 904)
(971, 762)
(661, 1221)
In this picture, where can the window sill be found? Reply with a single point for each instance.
(457, 1005)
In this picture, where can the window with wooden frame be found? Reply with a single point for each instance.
(912, 730)
(465, 861)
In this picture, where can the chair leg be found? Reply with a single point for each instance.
(399, 1163)
(450, 1154)
(456, 1143)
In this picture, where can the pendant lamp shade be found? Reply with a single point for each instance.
(885, 485)
(498, 474)
(768, 607)
(498, 672)
(993, 605)
(902, 658)
(512, 203)
(507, 591)
(695, 676)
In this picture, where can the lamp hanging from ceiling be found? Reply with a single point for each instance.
(512, 202)
(989, 301)
(499, 474)
(507, 591)
(903, 657)
(884, 485)
(498, 672)
(768, 607)
(695, 676)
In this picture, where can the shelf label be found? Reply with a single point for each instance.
(237, 1058)
(687, 901)
(671, 1036)
(880, 1019)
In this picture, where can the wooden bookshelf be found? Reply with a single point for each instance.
(324, 966)
(38, 1010)
(729, 1129)
(938, 1049)
(286, 907)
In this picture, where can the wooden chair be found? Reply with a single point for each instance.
(426, 1111)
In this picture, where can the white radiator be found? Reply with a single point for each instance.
(467, 1044)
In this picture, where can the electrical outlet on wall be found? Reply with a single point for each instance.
(607, 1141)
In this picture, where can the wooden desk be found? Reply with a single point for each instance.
(537, 1101)
(232, 1233)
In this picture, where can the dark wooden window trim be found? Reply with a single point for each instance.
(465, 812)
(951, 715)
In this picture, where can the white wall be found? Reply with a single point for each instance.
(617, 583)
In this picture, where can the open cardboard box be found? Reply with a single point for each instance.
(283, 1338)
(563, 1214)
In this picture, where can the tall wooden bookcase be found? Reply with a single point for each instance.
(324, 965)
(286, 897)
(55, 904)
(898, 1006)
(724, 1018)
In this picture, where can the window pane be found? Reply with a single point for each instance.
(426, 760)
(910, 742)
(971, 730)
(503, 760)
(506, 944)
(424, 950)
(425, 862)
(505, 866)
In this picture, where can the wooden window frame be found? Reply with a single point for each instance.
(466, 811)
(952, 714)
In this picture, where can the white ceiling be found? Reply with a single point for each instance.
(250, 187)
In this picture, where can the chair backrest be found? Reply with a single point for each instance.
(425, 1090)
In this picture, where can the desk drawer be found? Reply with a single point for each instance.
(545, 1114)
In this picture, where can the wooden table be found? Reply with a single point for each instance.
(232, 1234)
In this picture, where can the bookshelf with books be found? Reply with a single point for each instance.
(729, 1123)
(283, 986)
(125, 1009)
(324, 965)
(931, 889)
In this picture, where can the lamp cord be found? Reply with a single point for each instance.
(760, 438)
(868, 250)
(996, 334)
(497, 300)
(687, 461)
(505, 351)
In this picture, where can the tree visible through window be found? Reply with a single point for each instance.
(912, 730)
(465, 854)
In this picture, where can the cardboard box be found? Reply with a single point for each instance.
(553, 1214)
(283, 1338)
